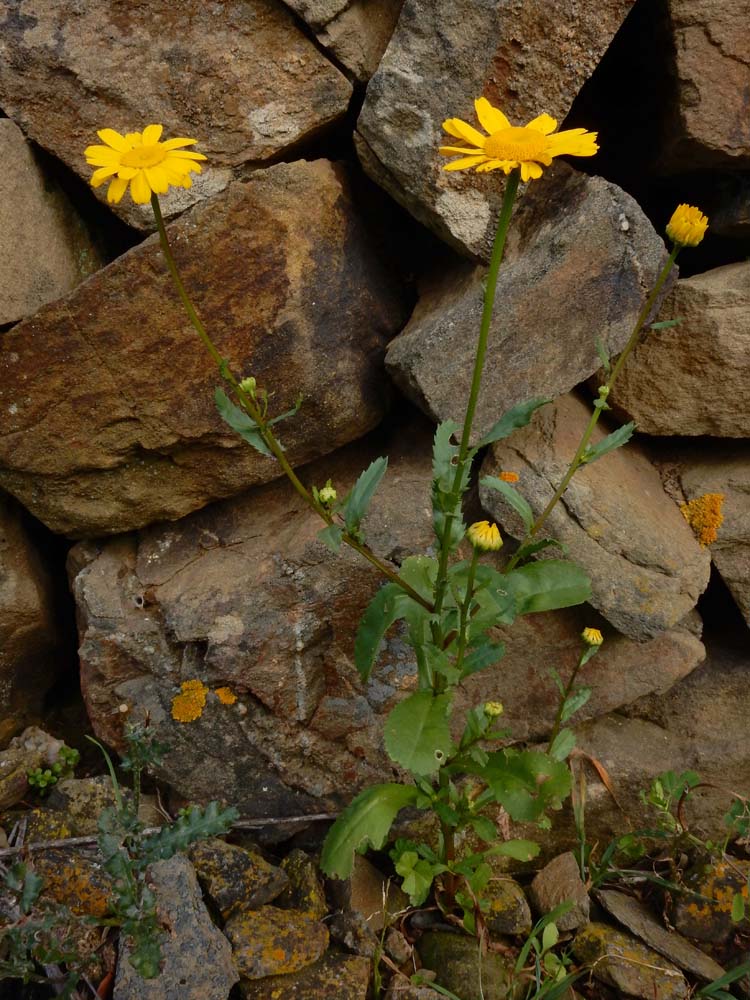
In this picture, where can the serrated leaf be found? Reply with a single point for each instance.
(195, 824)
(513, 497)
(612, 441)
(443, 453)
(416, 733)
(356, 502)
(526, 783)
(365, 822)
(331, 537)
(380, 614)
(517, 416)
(289, 413)
(240, 422)
(546, 585)
(575, 701)
(562, 744)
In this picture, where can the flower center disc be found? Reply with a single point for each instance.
(515, 144)
(144, 156)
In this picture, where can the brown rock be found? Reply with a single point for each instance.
(31, 642)
(241, 78)
(273, 942)
(346, 977)
(726, 470)
(442, 56)
(709, 124)
(646, 568)
(620, 961)
(133, 435)
(560, 882)
(32, 749)
(691, 379)
(45, 248)
(571, 276)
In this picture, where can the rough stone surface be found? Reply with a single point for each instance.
(26, 752)
(726, 470)
(133, 435)
(358, 36)
(710, 125)
(570, 277)
(76, 880)
(81, 802)
(647, 569)
(45, 249)
(692, 378)
(370, 893)
(234, 878)
(305, 890)
(243, 594)
(196, 957)
(560, 882)
(241, 78)
(442, 56)
(620, 961)
(640, 921)
(31, 647)
(274, 942)
(456, 959)
(508, 910)
(345, 977)
(709, 918)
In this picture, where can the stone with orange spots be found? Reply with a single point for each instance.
(78, 881)
(274, 942)
(619, 960)
(234, 878)
(710, 919)
(345, 977)
(305, 890)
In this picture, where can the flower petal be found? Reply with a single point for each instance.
(127, 173)
(464, 162)
(467, 151)
(491, 118)
(100, 176)
(114, 139)
(157, 179)
(152, 134)
(176, 143)
(573, 142)
(116, 190)
(504, 165)
(461, 130)
(100, 156)
(140, 192)
(543, 123)
(530, 171)
(187, 154)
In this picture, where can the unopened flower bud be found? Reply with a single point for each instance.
(484, 536)
(592, 637)
(248, 385)
(603, 391)
(492, 709)
(328, 494)
(688, 226)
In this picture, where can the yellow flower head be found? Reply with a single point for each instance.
(139, 159)
(507, 147)
(705, 517)
(484, 536)
(328, 494)
(493, 708)
(509, 477)
(688, 226)
(592, 637)
(189, 704)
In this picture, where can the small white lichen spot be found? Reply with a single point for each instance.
(622, 219)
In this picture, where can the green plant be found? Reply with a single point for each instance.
(128, 848)
(539, 966)
(42, 779)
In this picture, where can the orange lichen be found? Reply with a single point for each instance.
(189, 704)
(509, 477)
(226, 695)
(704, 516)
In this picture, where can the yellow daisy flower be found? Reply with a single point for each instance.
(687, 226)
(139, 159)
(484, 536)
(506, 147)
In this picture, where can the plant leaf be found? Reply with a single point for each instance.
(526, 783)
(416, 732)
(612, 441)
(525, 552)
(365, 822)
(513, 497)
(380, 614)
(481, 657)
(518, 416)
(356, 502)
(603, 353)
(575, 700)
(546, 585)
(240, 422)
(562, 744)
(519, 850)
(443, 453)
(331, 537)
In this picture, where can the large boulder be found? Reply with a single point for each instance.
(691, 379)
(241, 78)
(31, 639)
(444, 54)
(574, 273)
(45, 249)
(709, 125)
(242, 596)
(647, 570)
(108, 394)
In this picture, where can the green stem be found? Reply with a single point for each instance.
(249, 404)
(465, 609)
(604, 391)
(563, 698)
(498, 248)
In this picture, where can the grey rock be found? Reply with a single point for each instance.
(240, 78)
(572, 275)
(508, 909)
(45, 249)
(623, 962)
(346, 977)
(560, 882)
(273, 942)
(640, 921)
(443, 55)
(691, 379)
(647, 570)
(234, 878)
(461, 968)
(196, 957)
(31, 749)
